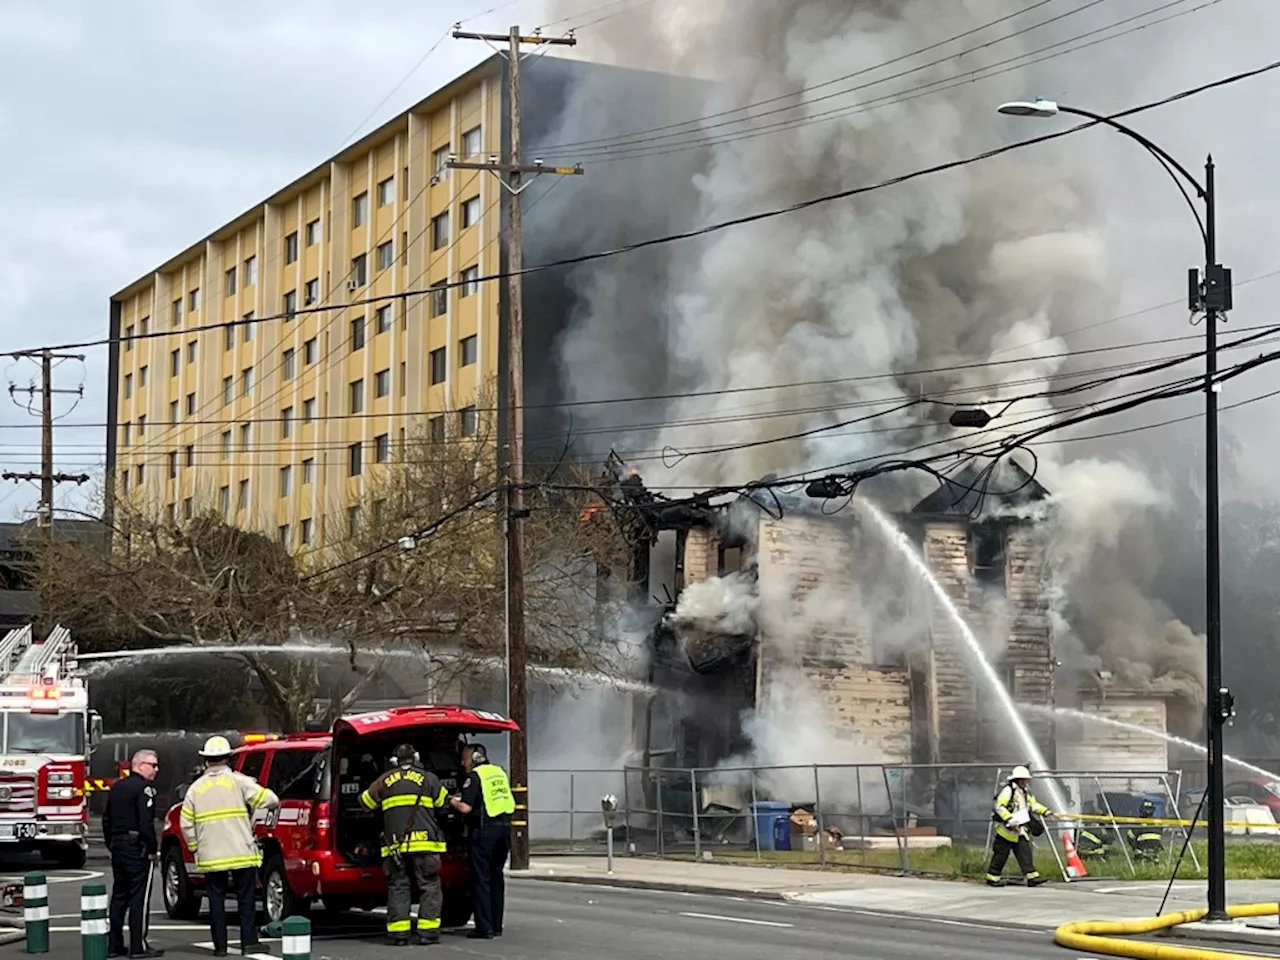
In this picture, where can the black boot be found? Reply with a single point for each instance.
(1037, 881)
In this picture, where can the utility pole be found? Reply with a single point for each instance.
(510, 175)
(48, 479)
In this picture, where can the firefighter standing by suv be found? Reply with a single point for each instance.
(408, 797)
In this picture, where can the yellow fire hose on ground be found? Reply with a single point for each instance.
(1103, 936)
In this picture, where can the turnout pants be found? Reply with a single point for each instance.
(1020, 848)
(424, 869)
(130, 868)
(488, 848)
(242, 882)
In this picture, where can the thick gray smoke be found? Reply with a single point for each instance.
(975, 273)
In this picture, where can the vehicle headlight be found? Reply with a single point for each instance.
(60, 776)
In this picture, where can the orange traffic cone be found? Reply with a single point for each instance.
(1075, 866)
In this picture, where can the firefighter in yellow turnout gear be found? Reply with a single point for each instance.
(409, 797)
(1013, 810)
(1147, 842)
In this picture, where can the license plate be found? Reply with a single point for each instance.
(25, 831)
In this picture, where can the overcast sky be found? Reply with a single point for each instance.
(134, 128)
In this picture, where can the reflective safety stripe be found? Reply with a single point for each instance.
(259, 797)
(398, 926)
(496, 790)
(229, 863)
(1033, 874)
(429, 924)
(403, 800)
(416, 846)
(992, 876)
(221, 813)
(367, 799)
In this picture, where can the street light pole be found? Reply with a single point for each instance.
(1211, 296)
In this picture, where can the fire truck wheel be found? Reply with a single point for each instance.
(457, 909)
(278, 899)
(180, 901)
(68, 856)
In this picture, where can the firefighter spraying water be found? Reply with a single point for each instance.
(49, 733)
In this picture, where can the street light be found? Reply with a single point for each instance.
(1212, 296)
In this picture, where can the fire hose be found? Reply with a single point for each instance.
(1103, 936)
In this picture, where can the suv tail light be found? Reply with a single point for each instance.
(320, 826)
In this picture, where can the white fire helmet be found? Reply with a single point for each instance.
(1020, 773)
(216, 748)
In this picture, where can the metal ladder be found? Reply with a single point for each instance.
(12, 647)
(53, 657)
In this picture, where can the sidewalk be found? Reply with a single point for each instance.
(1043, 908)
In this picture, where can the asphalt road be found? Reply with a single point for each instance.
(575, 922)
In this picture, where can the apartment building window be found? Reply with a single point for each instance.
(286, 423)
(360, 210)
(139, 472)
(288, 364)
(128, 386)
(382, 448)
(124, 433)
(175, 312)
(189, 455)
(128, 338)
(283, 533)
(229, 286)
(404, 182)
(142, 426)
(173, 412)
(246, 381)
(188, 508)
(286, 481)
(360, 270)
(171, 513)
(311, 292)
(356, 397)
(173, 464)
(308, 471)
(291, 248)
(304, 531)
(440, 160)
(386, 255)
(404, 248)
(191, 351)
(404, 380)
(246, 327)
(251, 271)
(246, 436)
(143, 326)
(387, 191)
(224, 500)
(467, 351)
(440, 231)
(242, 495)
(382, 318)
(436, 430)
(226, 444)
(472, 142)
(353, 521)
(309, 352)
(124, 480)
(470, 282)
(229, 336)
(357, 334)
(290, 304)
(355, 463)
(193, 299)
(439, 298)
(439, 365)
(191, 404)
(308, 409)
(228, 389)
(382, 383)
(142, 376)
(175, 362)
(470, 212)
(467, 421)
(313, 233)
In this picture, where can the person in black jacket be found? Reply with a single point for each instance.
(129, 828)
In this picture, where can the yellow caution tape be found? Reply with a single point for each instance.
(1147, 821)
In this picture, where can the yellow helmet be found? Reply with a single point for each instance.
(1020, 773)
(216, 748)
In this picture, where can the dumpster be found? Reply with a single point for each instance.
(765, 815)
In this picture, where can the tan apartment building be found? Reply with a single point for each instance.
(280, 423)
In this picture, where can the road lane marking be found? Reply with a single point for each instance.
(716, 916)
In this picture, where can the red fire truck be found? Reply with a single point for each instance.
(48, 733)
(322, 844)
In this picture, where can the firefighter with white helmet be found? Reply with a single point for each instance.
(1016, 813)
(217, 827)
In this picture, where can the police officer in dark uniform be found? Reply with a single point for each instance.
(129, 828)
(487, 803)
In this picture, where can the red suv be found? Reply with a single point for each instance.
(322, 843)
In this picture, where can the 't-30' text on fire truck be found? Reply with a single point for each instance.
(47, 732)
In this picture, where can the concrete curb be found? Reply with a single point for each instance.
(662, 886)
(1225, 933)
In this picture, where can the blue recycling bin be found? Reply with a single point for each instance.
(765, 814)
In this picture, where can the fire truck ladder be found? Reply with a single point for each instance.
(52, 658)
(13, 646)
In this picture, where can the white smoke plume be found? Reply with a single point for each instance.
(724, 605)
(977, 273)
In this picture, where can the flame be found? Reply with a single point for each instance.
(590, 512)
